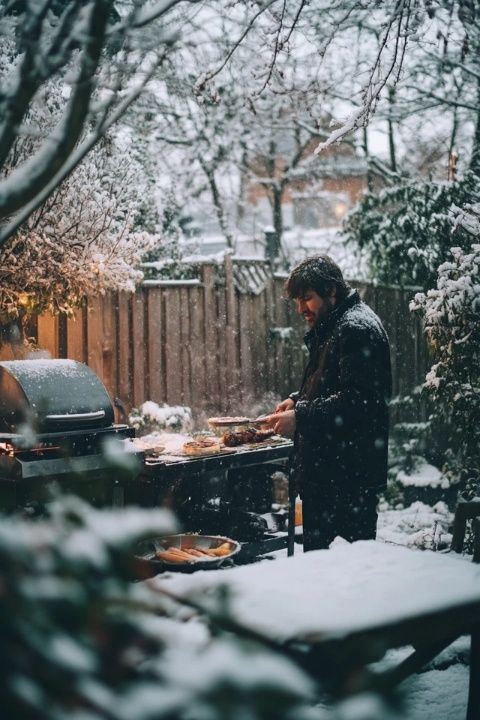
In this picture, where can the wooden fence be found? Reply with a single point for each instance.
(214, 344)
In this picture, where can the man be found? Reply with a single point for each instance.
(339, 417)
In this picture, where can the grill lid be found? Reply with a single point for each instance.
(52, 395)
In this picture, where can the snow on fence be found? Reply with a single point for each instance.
(218, 345)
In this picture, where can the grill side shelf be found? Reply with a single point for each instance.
(18, 441)
(14, 469)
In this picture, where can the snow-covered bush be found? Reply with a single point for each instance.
(406, 229)
(84, 239)
(151, 417)
(419, 525)
(79, 640)
(80, 242)
(451, 312)
(410, 444)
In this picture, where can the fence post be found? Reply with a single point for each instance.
(231, 336)
(210, 317)
(47, 333)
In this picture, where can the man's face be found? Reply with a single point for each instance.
(313, 307)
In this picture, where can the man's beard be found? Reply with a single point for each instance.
(326, 311)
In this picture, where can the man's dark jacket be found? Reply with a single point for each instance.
(341, 410)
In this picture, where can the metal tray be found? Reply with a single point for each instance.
(145, 552)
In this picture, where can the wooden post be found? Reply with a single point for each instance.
(466, 510)
(47, 337)
(154, 345)
(185, 359)
(231, 339)
(173, 371)
(197, 350)
(108, 342)
(76, 341)
(95, 335)
(124, 388)
(210, 315)
(138, 347)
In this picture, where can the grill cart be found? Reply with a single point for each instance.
(55, 420)
(227, 493)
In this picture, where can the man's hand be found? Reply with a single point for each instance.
(282, 422)
(285, 405)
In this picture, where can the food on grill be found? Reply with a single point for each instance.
(150, 448)
(231, 439)
(177, 555)
(250, 435)
(262, 435)
(202, 446)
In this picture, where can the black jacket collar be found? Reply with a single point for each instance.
(322, 328)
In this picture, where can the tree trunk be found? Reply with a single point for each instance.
(217, 201)
(453, 134)
(367, 156)
(391, 141)
(277, 213)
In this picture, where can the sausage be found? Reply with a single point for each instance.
(221, 550)
(174, 555)
(169, 556)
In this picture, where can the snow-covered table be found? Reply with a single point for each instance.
(338, 610)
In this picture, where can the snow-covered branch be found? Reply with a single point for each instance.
(102, 66)
(467, 217)
(75, 158)
(27, 181)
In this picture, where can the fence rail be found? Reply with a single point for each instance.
(212, 344)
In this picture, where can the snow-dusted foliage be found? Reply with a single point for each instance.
(80, 640)
(406, 229)
(418, 526)
(451, 311)
(103, 53)
(151, 417)
(81, 242)
(84, 239)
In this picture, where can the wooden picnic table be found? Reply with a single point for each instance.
(337, 611)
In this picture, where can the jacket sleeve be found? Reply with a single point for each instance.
(362, 386)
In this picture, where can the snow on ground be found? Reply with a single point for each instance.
(430, 695)
(440, 691)
(424, 475)
(437, 694)
(417, 525)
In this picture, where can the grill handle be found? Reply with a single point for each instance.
(74, 417)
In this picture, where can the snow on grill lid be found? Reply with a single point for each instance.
(56, 391)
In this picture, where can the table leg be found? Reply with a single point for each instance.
(473, 708)
(291, 515)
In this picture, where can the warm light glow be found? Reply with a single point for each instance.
(340, 209)
(23, 299)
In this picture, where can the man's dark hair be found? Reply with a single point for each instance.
(319, 273)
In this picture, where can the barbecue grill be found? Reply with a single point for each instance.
(55, 416)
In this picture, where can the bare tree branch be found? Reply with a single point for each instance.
(74, 159)
(25, 183)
